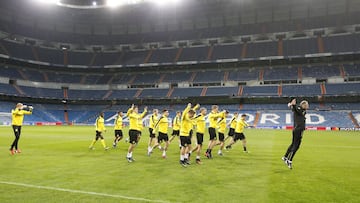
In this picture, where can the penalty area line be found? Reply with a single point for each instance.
(81, 192)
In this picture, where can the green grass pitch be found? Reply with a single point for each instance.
(56, 166)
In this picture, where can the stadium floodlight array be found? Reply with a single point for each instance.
(108, 3)
(58, 2)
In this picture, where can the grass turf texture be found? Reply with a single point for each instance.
(326, 169)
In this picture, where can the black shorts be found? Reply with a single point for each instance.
(199, 138)
(175, 133)
(118, 133)
(162, 137)
(231, 132)
(152, 135)
(239, 136)
(134, 135)
(98, 135)
(221, 137)
(212, 133)
(185, 141)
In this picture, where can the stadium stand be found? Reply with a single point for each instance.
(222, 91)
(281, 73)
(194, 54)
(243, 75)
(232, 51)
(296, 47)
(301, 90)
(260, 91)
(186, 92)
(342, 43)
(261, 49)
(123, 94)
(42, 92)
(209, 76)
(153, 93)
(343, 89)
(321, 72)
(7, 89)
(163, 55)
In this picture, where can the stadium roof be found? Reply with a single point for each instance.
(144, 16)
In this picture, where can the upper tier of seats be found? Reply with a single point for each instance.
(255, 49)
(157, 93)
(295, 73)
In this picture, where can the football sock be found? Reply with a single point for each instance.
(244, 149)
(103, 143)
(182, 157)
(92, 143)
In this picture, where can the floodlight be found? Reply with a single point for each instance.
(94, 3)
(114, 3)
(49, 1)
(163, 2)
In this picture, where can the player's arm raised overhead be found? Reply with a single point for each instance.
(130, 110)
(186, 110)
(144, 113)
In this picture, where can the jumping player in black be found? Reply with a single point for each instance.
(299, 127)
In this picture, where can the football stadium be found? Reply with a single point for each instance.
(179, 100)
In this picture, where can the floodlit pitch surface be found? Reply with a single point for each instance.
(56, 166)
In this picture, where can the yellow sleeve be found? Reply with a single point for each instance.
(196, 107)
(26, 112)
(246, 124)
(143, 114)
(184, 114)
(129, 111)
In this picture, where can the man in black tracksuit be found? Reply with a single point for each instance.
(299, 127)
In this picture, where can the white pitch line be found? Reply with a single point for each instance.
(81, 192)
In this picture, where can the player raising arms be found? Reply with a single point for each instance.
(153, 120)
(100, 128)
(118, 124)
(213, 117)
(187, 123)
(222, 129)
(162, 127)
(232, 126)
(176, 127)
(17, 118)
(135, 126)
(200, 131)
(239, 133)
(298, 130)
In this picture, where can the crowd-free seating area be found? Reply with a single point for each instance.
(255, 49)
(281, 73)
(285, 90)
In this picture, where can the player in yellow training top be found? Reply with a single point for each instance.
(162, 127)
(213, 117)
(176, 127)
(118, 125)
(100, 128)
(187, 123)
(200, 131)
(135, 127)
(153, 120)
(239, 132)
(232, 126)
(221, 131)
(17, 116)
